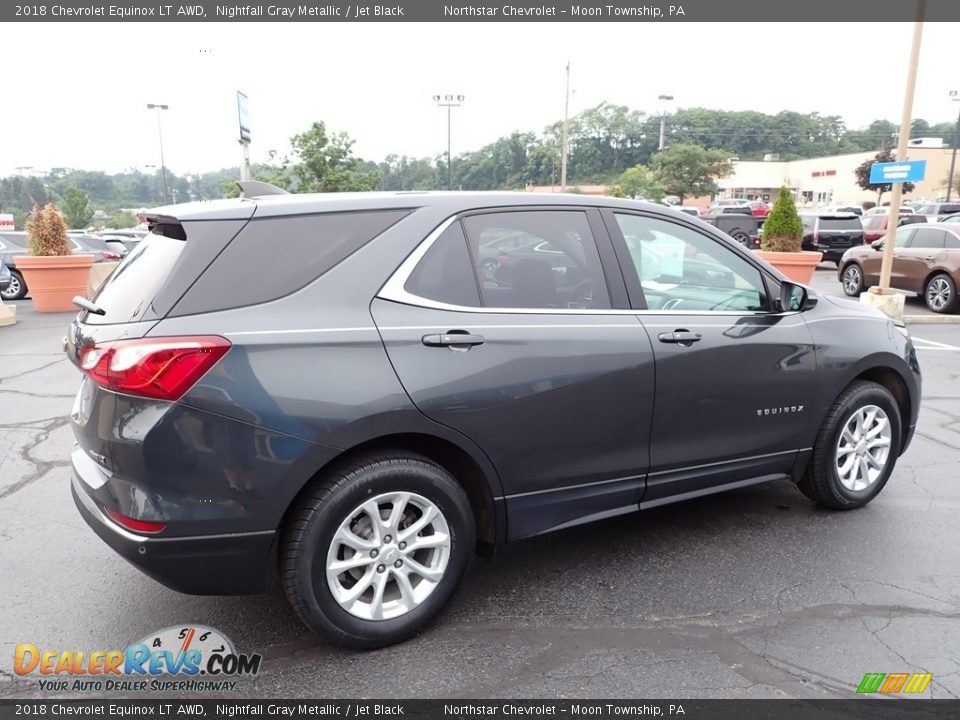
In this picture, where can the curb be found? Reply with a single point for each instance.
(932, 319)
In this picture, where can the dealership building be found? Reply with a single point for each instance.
(830, 180)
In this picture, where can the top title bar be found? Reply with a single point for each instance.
(860, 11)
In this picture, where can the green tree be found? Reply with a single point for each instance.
(76, 208)
(862, 174)
(324, 163)
(690, 170)
(122, 220)
(954, 186)
(19, 217)
(783, 228)
(638, 182)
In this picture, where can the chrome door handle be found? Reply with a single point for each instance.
(453, 339)
(680, 337)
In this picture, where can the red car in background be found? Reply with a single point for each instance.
(875, 226)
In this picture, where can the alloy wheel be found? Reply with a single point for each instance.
(388, 556)
(12, 291)
(852, 280)
(863, 448)
(938, 294)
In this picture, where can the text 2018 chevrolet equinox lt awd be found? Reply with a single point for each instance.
(331, 384)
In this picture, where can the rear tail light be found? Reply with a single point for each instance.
(162, 368)
(146, 527)
(110, 255)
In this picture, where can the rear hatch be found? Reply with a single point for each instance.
(129, 380)
(838, 231)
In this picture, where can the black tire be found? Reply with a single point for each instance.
(488, 269)
(852, 285)
(821, 482)
(307, 537)
(741, 237)
(17, 290)
(940, 294)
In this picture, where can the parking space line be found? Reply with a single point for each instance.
(932, 345)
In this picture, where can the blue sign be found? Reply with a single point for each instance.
(244, 115)
(897, 172)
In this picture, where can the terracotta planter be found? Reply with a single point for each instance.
(54, 280)
(797, 266)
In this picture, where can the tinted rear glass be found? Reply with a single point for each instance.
(127, 295)
(273, 257)
(852, 223)
(445, 273)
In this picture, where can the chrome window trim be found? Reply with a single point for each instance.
(393, 289)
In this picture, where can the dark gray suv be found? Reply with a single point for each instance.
(372, 408)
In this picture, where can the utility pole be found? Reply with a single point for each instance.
(163, 166)
(449, 102)
(904, 136)
(563, 145)
(664, 99)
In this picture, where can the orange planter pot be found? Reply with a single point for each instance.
(53, 281)
(798, 266)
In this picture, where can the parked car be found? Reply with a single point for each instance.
(904, 209)
(14, 244)
(689, 210)
(952, 219)
(926, 261)
(742, 228)
(875, 226)
(759, 208)
(370, 411)
(937, 211)
(831, 234)
(5, 277)
(842, 210)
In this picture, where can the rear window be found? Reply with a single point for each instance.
(127, 295)
(273, 257)
(949, 208)
(910, 219)
(829, 223)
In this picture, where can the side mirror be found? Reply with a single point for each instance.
(877, 244)
(794, 298)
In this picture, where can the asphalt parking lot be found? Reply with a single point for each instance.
(754, 593)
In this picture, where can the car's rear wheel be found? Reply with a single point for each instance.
(856, 449)
(741, 237)
(373, 553)
(941, 294)
(17, 289)
(852, 280)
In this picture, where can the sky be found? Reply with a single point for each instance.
(80, 99)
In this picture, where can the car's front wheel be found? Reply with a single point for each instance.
(941, 294)
(373, 553)
(852, 280)
(17, 289)
(856, 448)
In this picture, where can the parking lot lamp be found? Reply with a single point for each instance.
(449, 102)
(664, 99)
(163, 167)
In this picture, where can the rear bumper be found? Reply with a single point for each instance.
(233, 564)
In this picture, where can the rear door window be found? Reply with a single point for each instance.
(928, 238)
(445, 274)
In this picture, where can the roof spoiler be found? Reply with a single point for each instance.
(255, 188)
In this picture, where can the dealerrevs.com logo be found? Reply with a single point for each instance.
(189, 657)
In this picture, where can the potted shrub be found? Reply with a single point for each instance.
(53, 274)
(781, 245)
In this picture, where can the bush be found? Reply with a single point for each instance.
(783, 229)
(47, 232)
(868, 205)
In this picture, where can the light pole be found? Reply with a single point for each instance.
(565, 137)
(955, 96)
(449, 102)
(163, 167)
(664, 99)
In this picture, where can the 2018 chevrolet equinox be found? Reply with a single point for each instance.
(368, 388)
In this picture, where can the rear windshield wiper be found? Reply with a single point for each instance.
(82, 302)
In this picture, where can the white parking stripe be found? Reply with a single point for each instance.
(932, 345)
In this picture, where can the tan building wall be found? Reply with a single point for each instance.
(829, 180)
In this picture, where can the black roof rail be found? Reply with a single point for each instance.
(255, 188)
